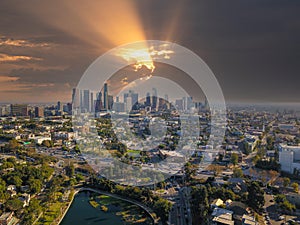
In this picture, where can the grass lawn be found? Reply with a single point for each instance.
(51, 214)
(107, 200)
(133, 151)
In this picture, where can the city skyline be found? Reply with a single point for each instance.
(129, 99)
(254, 58)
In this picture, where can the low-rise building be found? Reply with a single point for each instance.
(12, 190)
(25, 198)
(8, 218)
(216, 203)
(39, 139)
(222, 217)
(289, 158)
(248, 220)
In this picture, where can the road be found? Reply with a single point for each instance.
(181, 213)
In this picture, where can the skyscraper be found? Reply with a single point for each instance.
(99, 103)
(110, 102)
(105, 96)
(166, 97)
(134, 98)
(125, 96)
(59, 106)
(148, 99)
(189, 102)
(39, 111)
(179, 104)
(154, 98)
(86, 100)
(128, 103)
(92, 107)
(73, 94)
(19, 109)
(76, 98)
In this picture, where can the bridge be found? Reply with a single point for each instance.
(147, 209)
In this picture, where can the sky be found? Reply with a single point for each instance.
(252, 47)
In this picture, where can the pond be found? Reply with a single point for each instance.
(90, 209)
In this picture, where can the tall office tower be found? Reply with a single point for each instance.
(5, 110)
(39, 111)
(125, 96)
(162, 103)
(59, 106)
(206, 105)
(81, 99)
(128, 103)
(105, 96)
(69, 108)
(148, 99)
(189, 103)
(117, 99)
(166, 97)
(154, 98)
(73, 95)
(110, 102)
(184, 105)
(134, 98)
(198, 105)
(99, 103)
(86, 101)
(2, 111)
(179, 104)
(92, 105)
(75, 98)
(19, 109)
(119, 106)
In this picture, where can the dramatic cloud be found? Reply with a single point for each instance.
(20, 43)
(252, 47)
(4, 79)
(5, 58)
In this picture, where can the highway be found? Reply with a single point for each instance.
(181, 213)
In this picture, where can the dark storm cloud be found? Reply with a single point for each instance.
(251, 46)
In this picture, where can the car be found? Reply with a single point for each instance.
(281, 217)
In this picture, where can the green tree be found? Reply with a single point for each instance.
(284, 204)
(189, 170)
(35, 185)
(295, 186)
(14, 204)
(286, 181)
(13, 144)
(221, 157)
(238, 172)
(15, 179)
(162, 208)
(199, 204)
(234, 159)
(70, 170)
(32, 212)
(256, 199)
(76, 149)
(47, 143)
